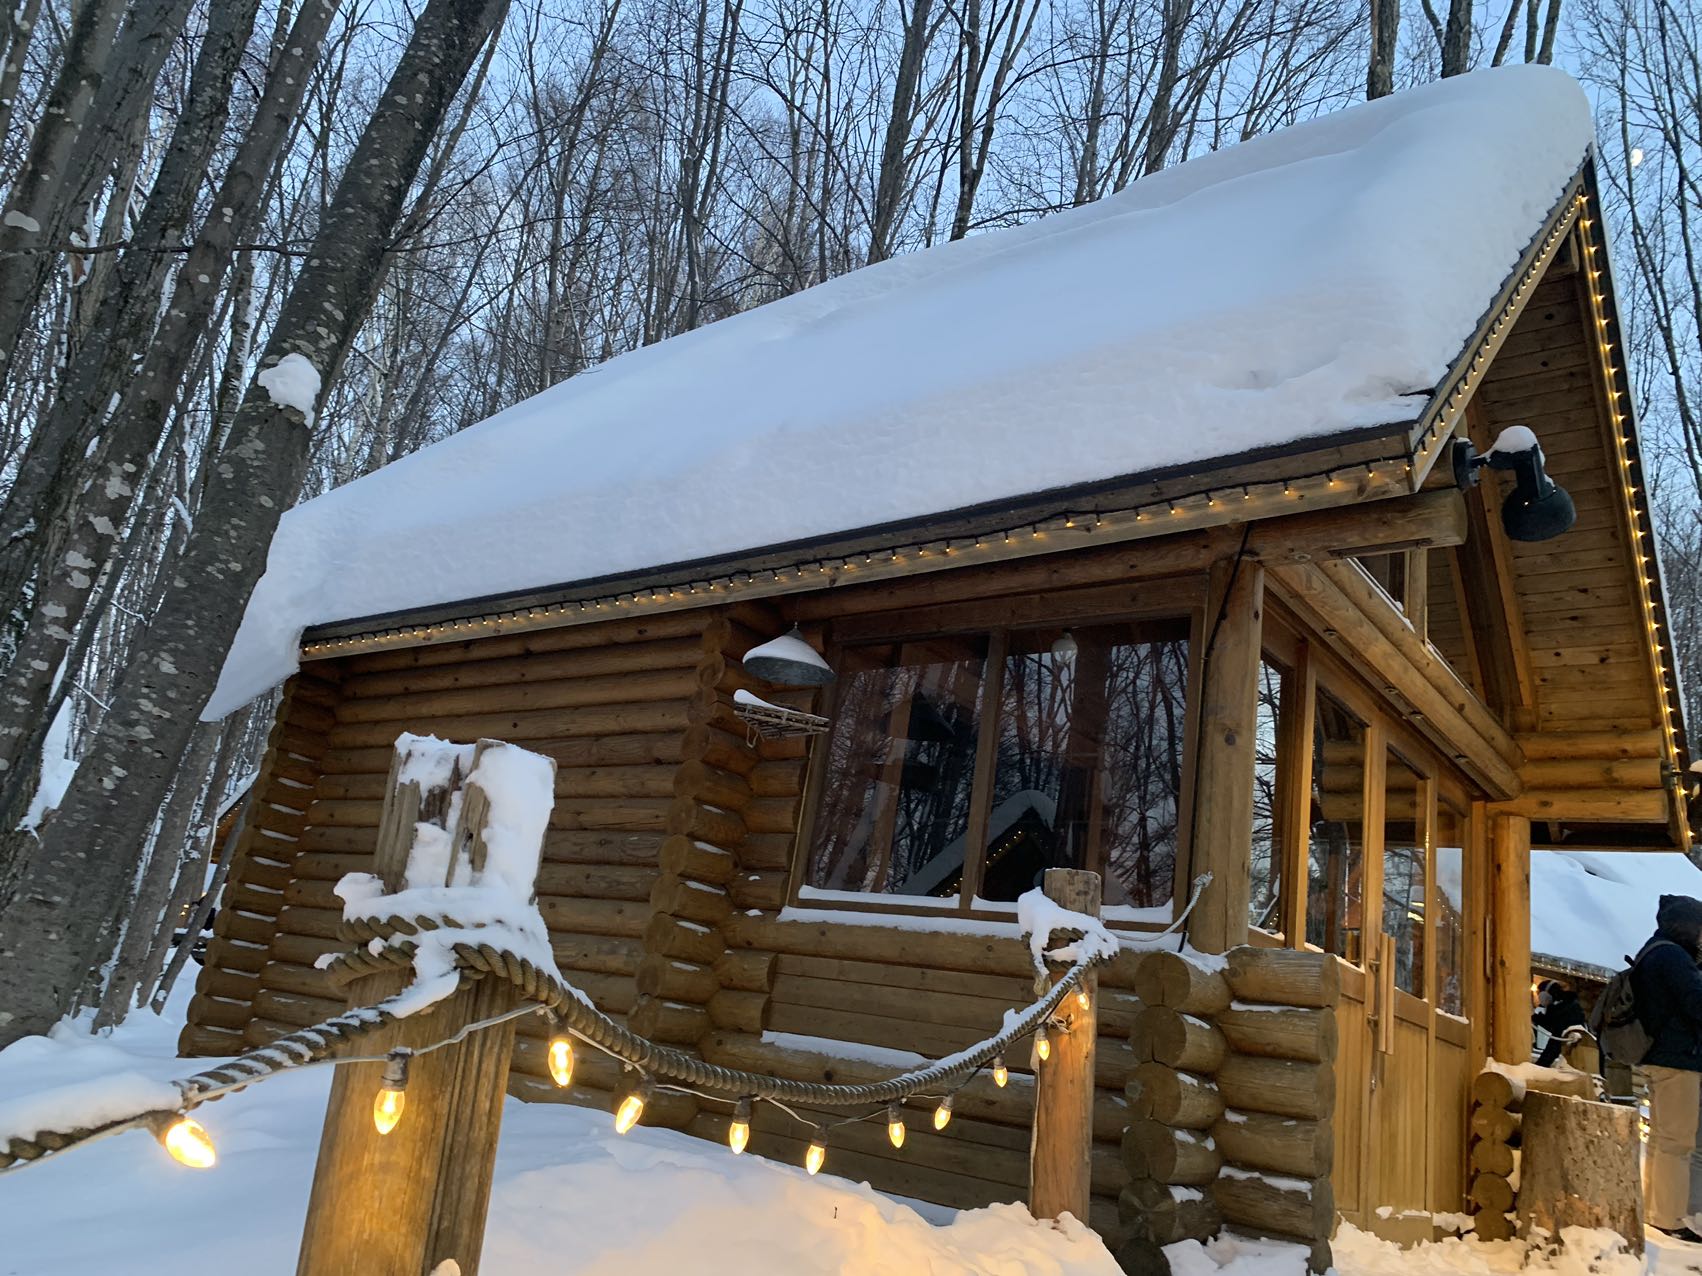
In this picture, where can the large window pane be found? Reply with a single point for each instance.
(1449, 931)
(1266, 877)
(900, 769)
(1403, 872)
(1089, 765)
(1335, 894)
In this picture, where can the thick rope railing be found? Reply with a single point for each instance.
(546, 991)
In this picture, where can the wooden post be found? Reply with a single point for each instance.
(400, 1204)
(1510, 935)
(1061, 1148)
(1222, 839)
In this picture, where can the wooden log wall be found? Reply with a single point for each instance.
(1231, 1105)
(265, 863)
(1498, 1099)
(1278, 1084)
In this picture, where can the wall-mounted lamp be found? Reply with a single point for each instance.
(1538, 508)
(788, 661)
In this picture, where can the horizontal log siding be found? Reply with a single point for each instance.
(256, 892)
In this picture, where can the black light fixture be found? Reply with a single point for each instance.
(1538, 508)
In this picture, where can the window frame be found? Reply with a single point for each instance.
(1176, 598)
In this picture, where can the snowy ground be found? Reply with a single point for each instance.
(571, 1197)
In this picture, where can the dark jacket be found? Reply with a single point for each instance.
(1561, 1013)
(1668, 988)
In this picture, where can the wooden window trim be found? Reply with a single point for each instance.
(1175, 598)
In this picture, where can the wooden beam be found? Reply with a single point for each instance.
(1222, 839)
(1059, 1163)
(1608, 806)
(1368, 632)
(1494, 620)
(1510, 937)
(1433, 518)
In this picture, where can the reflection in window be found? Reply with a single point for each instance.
(900, 769)
(1403, 872)
(1335, 846)
(1088, 771)
(1266, 877)
(1449, 906)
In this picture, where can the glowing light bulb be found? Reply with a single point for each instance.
(1001, 1074)
(189, 1143)
(942, 1114)
(739, 1132)
(561, 1061)
(895, 1125)
(387, 1105)
(1083, 1000)
(816, 1156)
(387, 1109)
(1042, 1044)
(631, 1108)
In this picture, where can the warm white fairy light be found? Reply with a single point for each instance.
(188, 1142)
(739, 1131)
(942, 1114)
(816, 1156)
(392, 1098)
(561, 1060)
(1001, 1074)
(632, 1107)
(895, 1124)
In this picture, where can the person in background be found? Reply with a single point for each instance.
(1668, 991)
(1557, 1010)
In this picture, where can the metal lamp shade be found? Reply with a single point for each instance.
(788, 661)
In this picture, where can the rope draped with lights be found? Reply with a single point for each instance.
(574, 1018)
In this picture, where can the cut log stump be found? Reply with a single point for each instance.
(1579, 1168)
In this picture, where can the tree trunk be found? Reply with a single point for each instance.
(129, 309)
(894, 170)
(1385, 32)
(86, 521)
(126, 769)
(111, 87)
(1579, 1168)
(1457, 39)
(171, 852)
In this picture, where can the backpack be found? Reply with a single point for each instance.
(1614, 1021)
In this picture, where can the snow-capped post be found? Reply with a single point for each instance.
(459, 837)
(1061, 1145)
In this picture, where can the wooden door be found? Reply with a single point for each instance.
(1401, 1068)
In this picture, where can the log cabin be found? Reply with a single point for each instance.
(1143, 538)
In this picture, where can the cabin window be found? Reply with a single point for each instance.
(1448, 910)
(1404, 800)
(901, 759)
(1335, 893)
(1264, 897)
(994, 757)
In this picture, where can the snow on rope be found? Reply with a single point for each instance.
(392, 942)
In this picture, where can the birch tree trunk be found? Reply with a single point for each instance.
(50, 930)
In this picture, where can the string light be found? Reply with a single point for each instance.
(1082, 999)
(392, 1096)
(895, 1124)
(1001, 1074)
(188, 1142)
(1042, 1044)
(739, 1132)
(816, 1156)
(942, 1114)
(632, 1107)
(1184, 508)
(561, 1060)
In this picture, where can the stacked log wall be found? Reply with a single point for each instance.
(264, 864)
(1278, 1084)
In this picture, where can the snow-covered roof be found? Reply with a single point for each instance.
(1597, 907)
(1301, 285)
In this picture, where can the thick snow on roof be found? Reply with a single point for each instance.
(1305, 283)
(1599, 906)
